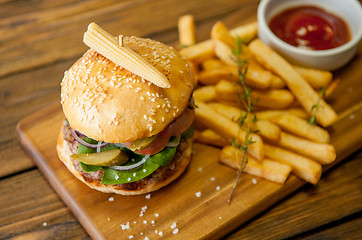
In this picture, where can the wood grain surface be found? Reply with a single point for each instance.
(39, 40)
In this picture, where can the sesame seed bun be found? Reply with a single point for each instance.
(109, 103)
(158, 179)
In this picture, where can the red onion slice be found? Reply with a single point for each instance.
(84, 143)
(121, 145)
(129, 167)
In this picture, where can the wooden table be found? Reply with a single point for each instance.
(39, 40)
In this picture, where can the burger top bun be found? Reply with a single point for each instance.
(109, 103)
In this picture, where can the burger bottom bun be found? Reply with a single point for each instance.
(160, 178)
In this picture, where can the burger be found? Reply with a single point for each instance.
(123, 134)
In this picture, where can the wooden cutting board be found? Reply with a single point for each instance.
(207, 216)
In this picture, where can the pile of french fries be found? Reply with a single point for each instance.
(285, 95)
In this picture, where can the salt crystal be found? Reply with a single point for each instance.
(156, 214)
(111, 199)
(144, 221)
(128, 179)
(212, 179)
(199, 169)
(148, 196)
(116, 177)
(130, 236)
(198, 194)
(254, 181)
(217, 188)
(175, 231)
(45, 224)
(160, 234)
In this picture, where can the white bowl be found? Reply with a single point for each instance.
(348, 10)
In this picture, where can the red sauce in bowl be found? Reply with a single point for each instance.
(310, 27)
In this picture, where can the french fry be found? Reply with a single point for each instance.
(273, 98)
(199, 52)
(205, 94)
(220, 32)
(277, 82)
(212, 64)
(268, 114)
(303, 167)
(213, 76)
(228, 129)
(202, 51)
(321, 152)
(301, 128)
(266, 129)
(210, 137)
(247, 31)
(224, 52)
(315, 77)
(332, 87)
(305, 94)
(268, 169)
(186, 30)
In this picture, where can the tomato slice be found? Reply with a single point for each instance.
(182, 123)
(157, 145)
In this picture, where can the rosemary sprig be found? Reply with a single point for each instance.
(244, 119)
(322, 93)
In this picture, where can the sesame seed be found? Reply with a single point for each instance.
(175, 231)
(173, 225)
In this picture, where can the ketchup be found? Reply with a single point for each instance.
(310, 27)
